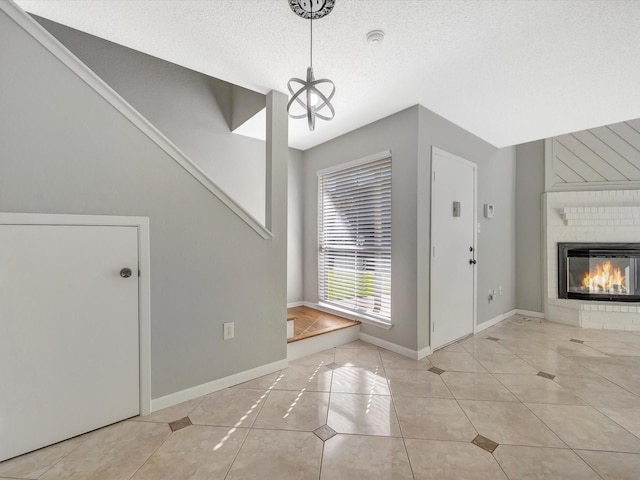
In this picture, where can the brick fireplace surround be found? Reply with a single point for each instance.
(588, 216)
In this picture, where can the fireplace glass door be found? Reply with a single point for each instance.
(606, 272)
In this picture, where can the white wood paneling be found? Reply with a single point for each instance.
(629, 133)
(589, 161)
(564, 157)
(566, 174)
(626, 150)
(608, 155)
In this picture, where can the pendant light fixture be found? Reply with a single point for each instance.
(311, 98)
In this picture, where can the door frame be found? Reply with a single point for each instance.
(435, 150)
(144, 278)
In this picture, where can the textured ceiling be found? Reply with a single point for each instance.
(509, 71)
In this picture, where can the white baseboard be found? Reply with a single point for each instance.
(502, 316)
(309, 346)
(425, 352)
(295, 304)
(220, 384)
(395, 348)
(495, 320)
(529, 313)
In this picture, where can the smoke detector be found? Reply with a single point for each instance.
(375, 37)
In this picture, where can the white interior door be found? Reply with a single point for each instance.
(452, 280)
(69, 359)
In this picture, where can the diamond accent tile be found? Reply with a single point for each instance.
(325, 432)
(485, 443)
(436, 370)
(546, 375)
(493, 339)
(333, 365)
(180, 424)
(575, 340)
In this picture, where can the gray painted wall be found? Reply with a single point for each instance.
(295, 218)
(64, 149)
(244, 105)
(529, 190)
(496, 247)
(397, 133)
(409, 135)
(193, 110)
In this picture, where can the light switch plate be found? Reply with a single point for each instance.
(489, 210)
(228, 329)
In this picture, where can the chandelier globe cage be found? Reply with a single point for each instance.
(311, 97)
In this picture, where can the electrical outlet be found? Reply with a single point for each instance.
(228, 329)
(500, 291)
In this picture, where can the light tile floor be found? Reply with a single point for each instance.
(525, 399)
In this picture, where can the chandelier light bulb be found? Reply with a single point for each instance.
(309, 100)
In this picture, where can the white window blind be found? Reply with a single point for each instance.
(354, 261)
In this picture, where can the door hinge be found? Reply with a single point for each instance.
(433, 327)
(434, 176)
(434, 251)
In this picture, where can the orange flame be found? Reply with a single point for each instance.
(604, 277)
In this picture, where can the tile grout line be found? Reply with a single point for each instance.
(545, 424)
(153, 453)
(571, 359)
(525, 336)
(235, 457)
(327, 417)
(498, 463)
(572, 392)
(518, 401)
(597, 409)
(608, 379)
(469, 420)
(321, 461)
(65, 455)
(587, 463)
(526, 406)
(596, 374)
(395, 412)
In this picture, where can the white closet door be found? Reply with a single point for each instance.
(69, 359)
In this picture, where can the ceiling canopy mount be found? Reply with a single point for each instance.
(307, 8)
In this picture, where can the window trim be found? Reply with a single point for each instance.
(354, 163)
(372, 320)
(341, 312)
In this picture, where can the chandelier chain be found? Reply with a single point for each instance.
(311, 48)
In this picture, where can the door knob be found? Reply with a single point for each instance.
(125, 272)
(472, 261)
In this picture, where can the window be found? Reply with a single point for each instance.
(354, 236)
